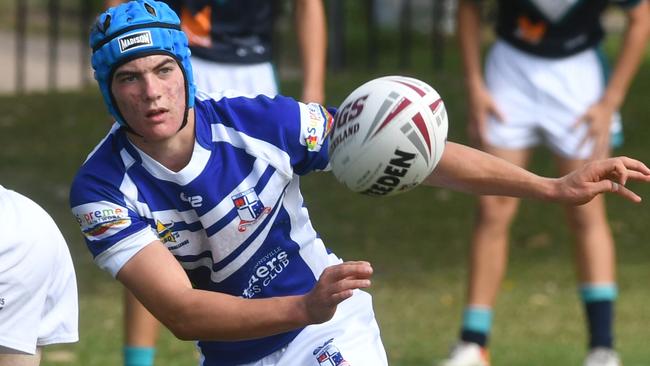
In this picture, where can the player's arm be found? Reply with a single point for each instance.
(599, 116)
(630, 55)
(469, 35)
(311, 29)
(155, 277)
(481, 104)
(468, 170)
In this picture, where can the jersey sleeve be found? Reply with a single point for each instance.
(315, 125)
(112, 229)
(298, 130)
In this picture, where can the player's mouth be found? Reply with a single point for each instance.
(156, 113)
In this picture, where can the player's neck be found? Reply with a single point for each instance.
(173, 153)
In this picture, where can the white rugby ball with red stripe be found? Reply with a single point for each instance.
(388, 135)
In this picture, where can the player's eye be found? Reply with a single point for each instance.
(127, 78)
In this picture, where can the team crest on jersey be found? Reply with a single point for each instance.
(319, 125)
(329, 355)
(249, 208)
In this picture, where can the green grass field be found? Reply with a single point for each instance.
(417, 242)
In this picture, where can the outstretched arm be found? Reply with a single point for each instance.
(468, 170)
(155, 277)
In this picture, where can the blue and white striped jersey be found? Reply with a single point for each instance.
(233, 217)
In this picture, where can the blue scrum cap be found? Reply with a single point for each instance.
(136, 29)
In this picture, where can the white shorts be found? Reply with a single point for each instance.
(251, 79)
(350, 338)
(542, 98)
(38, 288)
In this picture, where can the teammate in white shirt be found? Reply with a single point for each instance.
(38, 288)
(192, 201)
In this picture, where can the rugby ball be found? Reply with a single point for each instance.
(387, 136)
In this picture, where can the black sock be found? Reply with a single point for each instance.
(600, 316)
(474, 337)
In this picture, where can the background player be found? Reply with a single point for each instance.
(545, 82)
(195, 206)
(232, 44)
(38, 288)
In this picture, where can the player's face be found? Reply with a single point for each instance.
(150, 94)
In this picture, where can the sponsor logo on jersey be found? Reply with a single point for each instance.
(167, 235)
(101, 219)
(98, 231)
(249, 208)
(318, 126)
(266, 270)
(135, 40)
(329, 355)
(194, 201)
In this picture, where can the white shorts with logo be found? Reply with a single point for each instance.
(38, 288)
(253, 79)
(542, 98)
(350, 338)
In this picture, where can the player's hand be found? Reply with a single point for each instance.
(607, 175)
(335, 284)
(598, 119)
(482, 106)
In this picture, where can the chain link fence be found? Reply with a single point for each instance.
(46, 47)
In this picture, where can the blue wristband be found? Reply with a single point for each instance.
(139, 356)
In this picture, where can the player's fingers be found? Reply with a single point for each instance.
(354, 263)
(624, 168)
(343, 289)
(355, 269)
(634, 175)
(621, 171)
(354, 283)
(496, 112)
(604, 186)
(612, 169)
(338, 297)
(580, 120)
(625, 192)
(634, 165)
